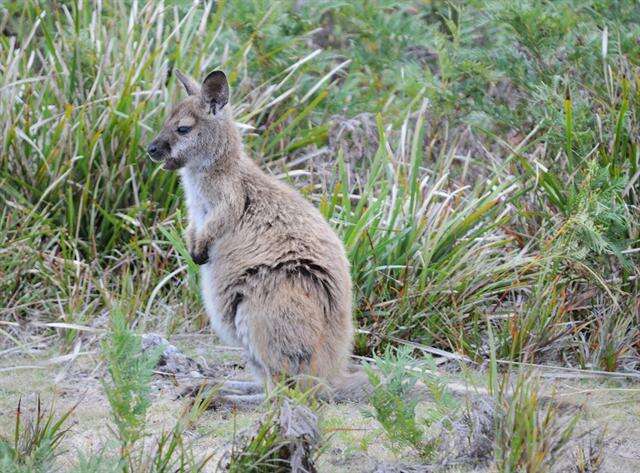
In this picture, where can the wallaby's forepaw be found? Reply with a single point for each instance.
(200, 258)
(199, 252)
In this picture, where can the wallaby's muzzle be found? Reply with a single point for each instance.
(158, 150)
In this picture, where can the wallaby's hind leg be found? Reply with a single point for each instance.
(243, 394)
(289, 337)
(234, 392)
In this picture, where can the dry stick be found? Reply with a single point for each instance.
(52, 361)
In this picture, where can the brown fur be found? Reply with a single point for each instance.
(275, 278)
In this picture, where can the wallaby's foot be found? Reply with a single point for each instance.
(237, 401)
(195, 390)
(229, 394)
(233, 387)
(224, 387)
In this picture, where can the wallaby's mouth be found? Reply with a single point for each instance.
(161, 153)
(171, 164)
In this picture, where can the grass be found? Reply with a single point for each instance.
(286, 438)
(36, 442)
(479, 160)
(530, 436)
(130, 371)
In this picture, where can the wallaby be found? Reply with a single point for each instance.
(274, 275)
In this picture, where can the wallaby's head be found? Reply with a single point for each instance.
(199, 129)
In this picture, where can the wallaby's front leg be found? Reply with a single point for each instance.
(199, 241)
(199, 254)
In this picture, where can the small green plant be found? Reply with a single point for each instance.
(130, 370)
(394, 401)
(394, 406)
(590, 456)
(36, 440)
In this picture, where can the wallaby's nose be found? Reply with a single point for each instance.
(155, 150)
(158, 149)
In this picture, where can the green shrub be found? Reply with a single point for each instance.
(130, 370)
(394, 401)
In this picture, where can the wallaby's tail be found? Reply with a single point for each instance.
(352, 386)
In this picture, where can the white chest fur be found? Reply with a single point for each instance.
(197, 205)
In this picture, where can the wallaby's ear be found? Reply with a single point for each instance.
(190, 85)
(215, 91)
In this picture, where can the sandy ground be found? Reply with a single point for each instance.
(352, 440)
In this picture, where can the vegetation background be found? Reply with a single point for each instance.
(480, 160)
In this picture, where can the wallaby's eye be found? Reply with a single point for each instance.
(183, 130)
